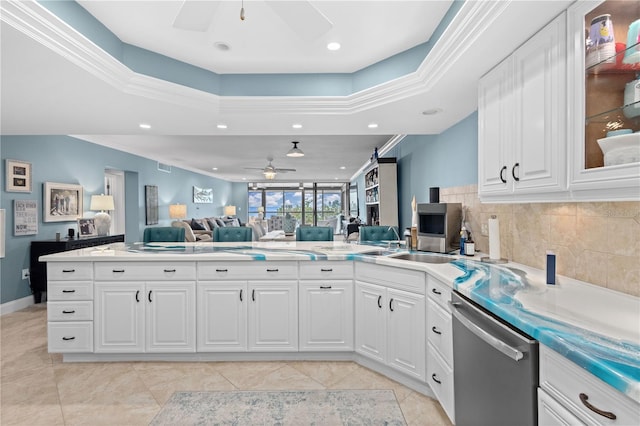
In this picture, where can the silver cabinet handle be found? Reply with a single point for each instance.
(498, 344)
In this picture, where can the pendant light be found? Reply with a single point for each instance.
(295, 151)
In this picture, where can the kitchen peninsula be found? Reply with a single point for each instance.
(324, 300)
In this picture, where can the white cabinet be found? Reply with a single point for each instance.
(135, 315)
(381, 192)
(238, 312)
(580, 395)
(440, 344)
(522, 121)
(70, 307)
(390, 321)
(551, 413)
(326, 315)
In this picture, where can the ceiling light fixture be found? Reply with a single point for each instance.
(432, 111)
(333, 46)
(144, 126)
(297, 126)
(214, 168)
(295, 151)
(373, 125)
(221, 126)
(342, 167)
(222, 46)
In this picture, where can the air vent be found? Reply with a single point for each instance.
(164, 167)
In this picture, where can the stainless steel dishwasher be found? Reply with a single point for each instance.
(495, 368)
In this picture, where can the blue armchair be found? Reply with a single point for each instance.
(314, 233)
(232, 233)
(378, 233)
(163, 234)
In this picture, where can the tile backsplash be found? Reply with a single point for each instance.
(595, 242)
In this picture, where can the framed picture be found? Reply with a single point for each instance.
(25, 217)
(18, 176)
(202, 195)
(86, 228)
(151, 204)
(62, 202)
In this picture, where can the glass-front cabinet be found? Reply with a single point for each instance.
(604, 99)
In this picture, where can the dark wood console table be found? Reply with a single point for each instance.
(38, 270)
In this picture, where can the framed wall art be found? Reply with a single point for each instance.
(202, 195)
(151, 204)
(86, 227)
(25, 217)
(62, 202)
(18, 177)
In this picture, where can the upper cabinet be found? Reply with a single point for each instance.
(522, 121)
(604, 114)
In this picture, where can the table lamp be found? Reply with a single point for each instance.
(229, 210)
(177, 211)
(102, 220)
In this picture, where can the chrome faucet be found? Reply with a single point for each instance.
(395, 231)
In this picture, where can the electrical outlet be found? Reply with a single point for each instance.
(25, 274)
(485, 229)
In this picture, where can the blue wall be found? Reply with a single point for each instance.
(64, 159)
(444, 160)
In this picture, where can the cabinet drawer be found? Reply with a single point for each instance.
(565, 381)
(247, 270)
(401, 279)
(440, 379)
(70, 336)
(439, 330)
(70, 290)
(69, 271)
(81, 310)
(550, 413)
(439, 291)
(320, 270)
(148, 271)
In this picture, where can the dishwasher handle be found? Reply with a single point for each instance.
(498, 344)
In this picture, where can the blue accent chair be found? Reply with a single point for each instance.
(314, 233)
(163, 234)
(378, 233)
(232, 234)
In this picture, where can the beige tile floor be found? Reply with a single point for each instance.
(36, 388)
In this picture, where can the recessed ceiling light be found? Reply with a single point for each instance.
(297, 126)
(432, 111)
(214, 168)
(334, 45)
(342, 167)
(221, 45)
(221, 126)
(373, 125)
(244, 178)
(145, 126)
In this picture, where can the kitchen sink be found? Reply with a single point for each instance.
(424, 257)
(378, 252)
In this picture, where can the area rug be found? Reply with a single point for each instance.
(320, 407)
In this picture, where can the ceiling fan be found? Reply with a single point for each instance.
(301, 16)
(270, 171)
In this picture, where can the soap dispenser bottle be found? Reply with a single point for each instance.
(463, 239)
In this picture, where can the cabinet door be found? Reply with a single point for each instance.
(171, 317)
(371, 330)
(119, 317)
(222, 316)
(405, 332)
(539, 157)
(326, 315)
(495, 118)
(273, 316)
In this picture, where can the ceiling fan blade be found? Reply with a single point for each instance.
(302, 17)
(254, 168)
(195, 15)
(285, 170)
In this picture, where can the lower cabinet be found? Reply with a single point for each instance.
(133, 317)
(326, 315)
(551, 413)
(236, 316)
(390, 327)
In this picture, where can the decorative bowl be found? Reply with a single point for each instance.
(620, 149)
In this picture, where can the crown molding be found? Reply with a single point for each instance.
(43, 26)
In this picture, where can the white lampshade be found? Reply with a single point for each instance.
(102, 202)
(295, 151)
(178, 211)
(229, 210)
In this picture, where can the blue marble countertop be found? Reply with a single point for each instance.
(596, 328)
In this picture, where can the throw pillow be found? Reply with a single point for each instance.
(220, 222)
(196, 226)
(212, 223)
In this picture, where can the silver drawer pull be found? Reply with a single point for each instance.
(118, 271)
(68, 270)
(326, 270)
(69, 312)
(69, 338)
(272, 270)
(584, 399)
(169, 270)
(68, 291)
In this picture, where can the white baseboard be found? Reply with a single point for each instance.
(16, 305)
